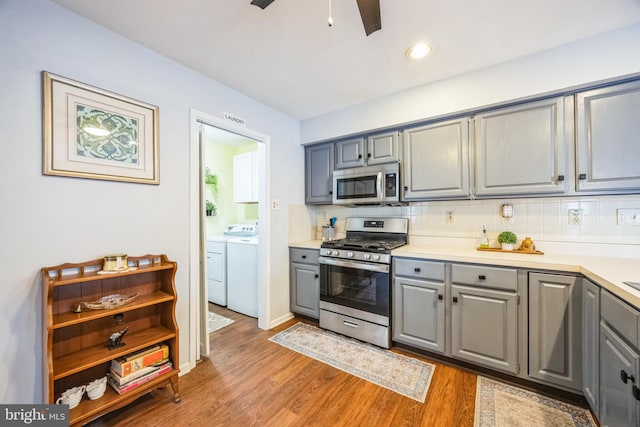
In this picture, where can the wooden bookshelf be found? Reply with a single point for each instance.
(75, 350)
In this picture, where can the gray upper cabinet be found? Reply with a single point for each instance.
(523, 149)
(555, 332)
(591, 344)
(436, 161)
(319, 161)
(383, 148)
(350, 153)
(607, 138)
(376, 149)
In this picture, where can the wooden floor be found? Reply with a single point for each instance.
(250, 381)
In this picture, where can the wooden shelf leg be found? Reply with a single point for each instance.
(176, 393)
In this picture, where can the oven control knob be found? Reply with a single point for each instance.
(366, 256)
(350, 254)
(376, 257)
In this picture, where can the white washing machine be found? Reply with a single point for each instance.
(242, 271)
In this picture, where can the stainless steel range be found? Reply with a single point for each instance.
(355, 279)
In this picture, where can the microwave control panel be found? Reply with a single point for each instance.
(390, 185)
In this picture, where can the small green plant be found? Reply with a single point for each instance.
(507, 237)
(210, 178)
(210, 208)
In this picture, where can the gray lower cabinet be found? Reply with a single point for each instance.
(436, 161)
(523, 149)
(304, 282)
(484, 327)
(555, 329)
(607, 138)
(318, 179)
(419, 304)
(619, 362)
(591, 344)
(619, 374)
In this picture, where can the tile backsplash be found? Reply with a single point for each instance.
(555, 219)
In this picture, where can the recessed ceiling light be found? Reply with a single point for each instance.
(418, 51)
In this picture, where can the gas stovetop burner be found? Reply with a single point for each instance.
(370, 245)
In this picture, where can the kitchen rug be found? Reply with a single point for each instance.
(217, 322)
(401, 374)
(499, 404)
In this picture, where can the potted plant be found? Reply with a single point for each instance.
(507, 239)
(210, 208)
(210, 178)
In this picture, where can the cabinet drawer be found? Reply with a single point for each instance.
(418, 268)
(216, 246)
(490, 277)
(620, 316)
(306, 256)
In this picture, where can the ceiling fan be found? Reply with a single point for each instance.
(369, 12)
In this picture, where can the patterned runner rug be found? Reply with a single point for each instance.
(217, 322)
(499, 404)
(401, 374)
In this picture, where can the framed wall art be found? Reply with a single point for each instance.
(93, 133)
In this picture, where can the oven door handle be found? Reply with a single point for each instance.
(382, 268)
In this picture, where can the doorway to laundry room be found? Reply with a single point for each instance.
(231, 188)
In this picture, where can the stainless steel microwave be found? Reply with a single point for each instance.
(371, 185)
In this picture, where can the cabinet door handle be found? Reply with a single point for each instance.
(624, 377)
(440, 297)
(455, 300)
(368, 155)
(316, 276)
(406, 188)
(303, 257)
(331, 192)
(636, 392)
(582, 176)
(482, 277)
(359, 156)
(416, 270)
(560, 178)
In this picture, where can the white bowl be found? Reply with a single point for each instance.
(96, 388)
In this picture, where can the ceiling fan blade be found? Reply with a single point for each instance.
(370, 14)
(261, 3)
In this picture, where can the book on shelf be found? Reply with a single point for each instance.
(133, 362)
(122, 380)
(138, 381)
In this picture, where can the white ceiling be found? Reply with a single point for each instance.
(287, 57)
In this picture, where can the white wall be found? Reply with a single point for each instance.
(47, 220)
(598, 58)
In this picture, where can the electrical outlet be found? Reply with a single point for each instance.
(575, 216)
(275, 204)
(628, 216)
(449, 217)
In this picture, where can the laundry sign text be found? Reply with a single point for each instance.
(235, 119)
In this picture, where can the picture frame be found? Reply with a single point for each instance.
(97, 134)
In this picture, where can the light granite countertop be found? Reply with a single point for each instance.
(608, 272)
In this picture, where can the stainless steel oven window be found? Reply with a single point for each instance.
(364, 286)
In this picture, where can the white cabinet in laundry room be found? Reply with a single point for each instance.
(245, 177)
